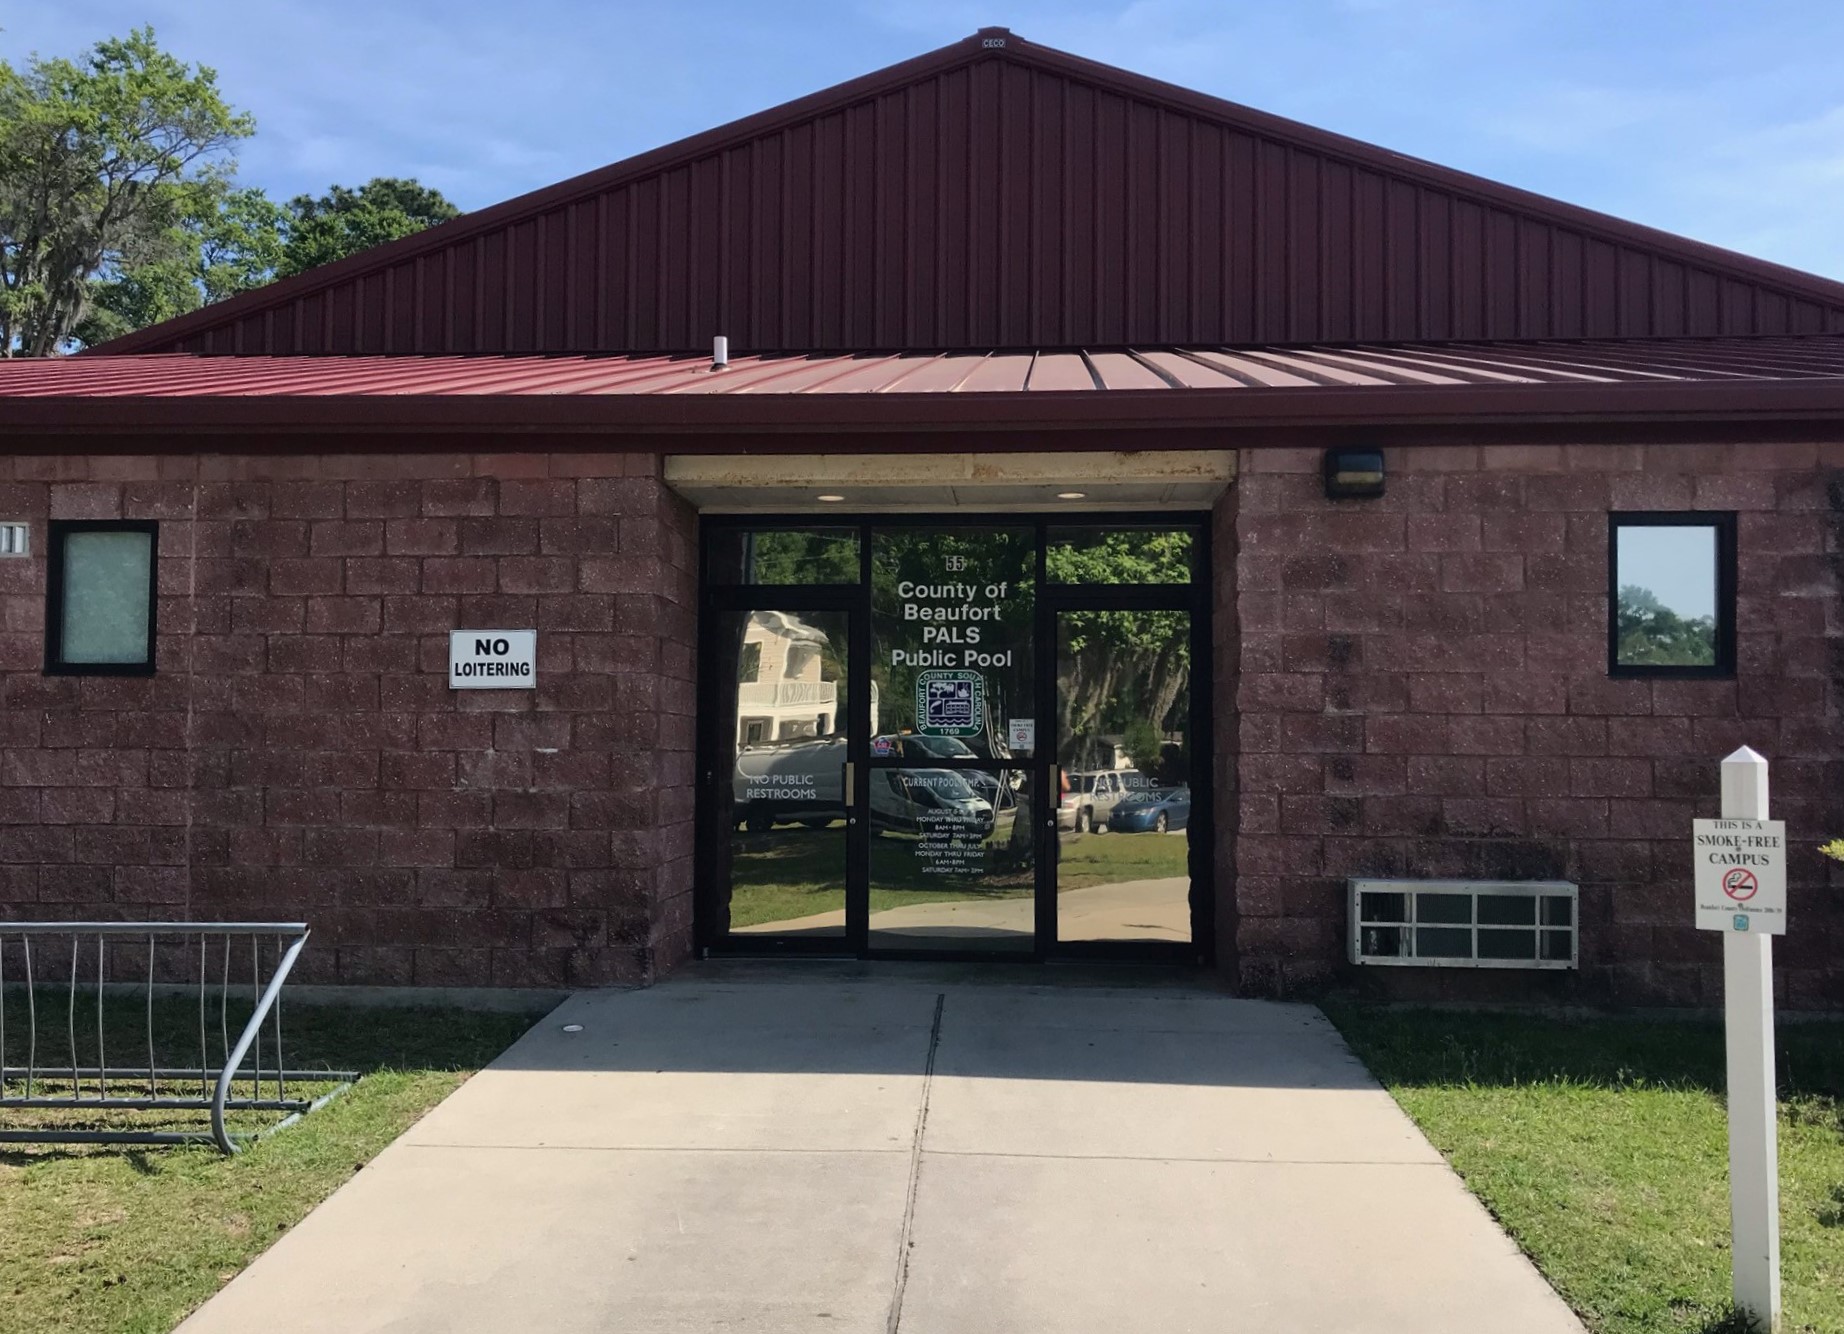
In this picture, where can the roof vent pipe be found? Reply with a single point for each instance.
(720, 353)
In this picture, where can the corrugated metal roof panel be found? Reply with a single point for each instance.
(1060, 372)
(1321, 368)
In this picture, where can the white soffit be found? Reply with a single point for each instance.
(793, 483)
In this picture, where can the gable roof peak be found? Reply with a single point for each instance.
(996, 192)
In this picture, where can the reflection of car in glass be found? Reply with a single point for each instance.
(799, 781)
(915, 746)
(805, 782)
(1152, 812)
(1089, 799)
(910, 800)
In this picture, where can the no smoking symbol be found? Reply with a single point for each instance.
(1740, 884)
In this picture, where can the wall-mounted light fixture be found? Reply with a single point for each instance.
(1353, 473)
(15, 539)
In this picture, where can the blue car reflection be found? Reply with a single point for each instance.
(1152, 812)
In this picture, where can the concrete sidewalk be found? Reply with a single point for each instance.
(926, 1150)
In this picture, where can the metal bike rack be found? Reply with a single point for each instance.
(78, 1087)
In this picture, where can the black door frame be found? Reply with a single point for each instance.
(715, 786)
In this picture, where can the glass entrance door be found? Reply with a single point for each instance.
(1123, 744)
(953, 851)
(959, 737)
(785, 675)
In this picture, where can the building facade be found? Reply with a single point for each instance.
(1414, 528)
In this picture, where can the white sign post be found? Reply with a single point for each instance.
(1741, 891)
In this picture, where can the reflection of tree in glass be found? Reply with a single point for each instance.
(1650, 634)
(799, 556)
(1121, 672)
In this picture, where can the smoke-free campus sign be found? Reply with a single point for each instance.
(1741, 875)
(492, 659)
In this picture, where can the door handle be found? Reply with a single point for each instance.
(851, 788)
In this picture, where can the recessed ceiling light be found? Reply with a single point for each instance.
(1072, 495)
(829, 498)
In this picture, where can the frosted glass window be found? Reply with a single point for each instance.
(106, 598)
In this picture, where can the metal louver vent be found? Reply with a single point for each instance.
(15, 539)
(1465, 923)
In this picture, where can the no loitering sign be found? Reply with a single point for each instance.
(492, 659)
(1741, 875)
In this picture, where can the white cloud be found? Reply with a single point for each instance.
(1576, 119)
(1776, 191)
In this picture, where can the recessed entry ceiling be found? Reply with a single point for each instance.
(833, 483)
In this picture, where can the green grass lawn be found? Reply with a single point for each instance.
(1601, 1145)
(127, 1240)
(795, 872)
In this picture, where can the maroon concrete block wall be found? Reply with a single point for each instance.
(298, 753)
(1423, 691)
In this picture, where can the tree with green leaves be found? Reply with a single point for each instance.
(107, 164)
(219, 242)
(343, 221)
(1648, 633)
(1120, 672)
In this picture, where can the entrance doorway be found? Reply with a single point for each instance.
(955, 736)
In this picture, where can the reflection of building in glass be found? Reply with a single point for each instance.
(783, 693)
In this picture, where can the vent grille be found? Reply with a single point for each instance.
(15, 539)
(1464, 923)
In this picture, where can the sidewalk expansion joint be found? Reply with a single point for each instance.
(840, 1152)
(1248, 1160)
(903, 1242)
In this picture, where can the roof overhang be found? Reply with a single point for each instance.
(1250, 416)
(1148, 480)
(1159, 398)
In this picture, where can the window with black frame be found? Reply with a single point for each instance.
(1671, 594)
(99, 613)
(782, 556)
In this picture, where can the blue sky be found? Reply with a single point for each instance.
(1716, 119)
(1677, 564)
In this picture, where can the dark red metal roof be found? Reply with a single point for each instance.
(1309, 366)
(1203, 386)
(1000, 193)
